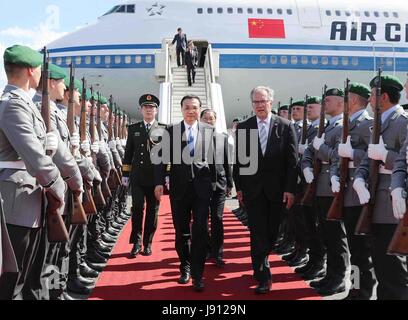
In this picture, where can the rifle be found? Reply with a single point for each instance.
(104, 186)
(317, 163)
(336, 209)
(290, 110)
(113, 181)
(364, 223)
(57, 232)
(78, 215)
(116, 131)
(88, 201)
(98, 196)
(305, 124)
(124, 126)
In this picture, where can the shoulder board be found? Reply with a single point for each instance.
(162, 124)
(405, 115)
(338, 122)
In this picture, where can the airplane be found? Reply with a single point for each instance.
(292, 46)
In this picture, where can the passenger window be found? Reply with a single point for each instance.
(200, 10)
(259, 11)
(230, 10)
(240, 10)
(219, 10)
(209, 10)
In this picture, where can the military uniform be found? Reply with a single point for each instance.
(333, 232)
(139, 168)
(391, 271)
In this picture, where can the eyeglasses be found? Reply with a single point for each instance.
(261, 102)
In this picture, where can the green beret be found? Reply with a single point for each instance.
(57, 73)
(103, 100)
(77, 83)
(88, 94)
(388, 82)
(149, 99)
(283, 107)
(314, 100)
(23, 56)
(360, 89)
(298, 103)
(335, 92)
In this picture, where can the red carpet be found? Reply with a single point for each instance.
(155, 277)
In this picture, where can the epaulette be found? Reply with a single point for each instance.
(338, 122)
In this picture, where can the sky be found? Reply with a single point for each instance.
(36, 23)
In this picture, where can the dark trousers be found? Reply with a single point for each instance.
(360, 251)
(191, 74)
(264, 220)
(182, 53)
(25, 242)
(301, 240)
(191, 241)
(391, 271)
(335, 240)
(313, 234)
(140, 194)
(78, 248)
(216, 242)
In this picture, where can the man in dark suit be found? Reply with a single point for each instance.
(181, 46)
(188, 147)
(137, 167)
(271, 183)
(191, 62)
(223, 190)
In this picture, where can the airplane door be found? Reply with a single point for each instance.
(309, 13)
(384, 57)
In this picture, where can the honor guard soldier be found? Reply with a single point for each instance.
(390, 270)
(360, 124)
(139, 170)
(26, 171)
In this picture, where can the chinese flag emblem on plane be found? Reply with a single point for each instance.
(266, 28)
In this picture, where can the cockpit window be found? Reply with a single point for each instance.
(131, 8)
(111, 10)
(121, 9)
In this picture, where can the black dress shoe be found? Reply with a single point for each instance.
(116, 226)
(198, 285)
(87, 272)
(66, 296)
(75, 286)
(135, 251)
(298, 260)
(147, 252)
(94, 257)
(184, 278)
(314, 273)
(317, 284)
(332, 287)
(302, 270)
(96, 266)
(112, 232)
(220, 263)
(263, 288)
(290, 256)
(86, 281)
(355, 294)
(107, 238)
(105, 255)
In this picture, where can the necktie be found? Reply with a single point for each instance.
(263, 137)
(148, 127)
(191, 142)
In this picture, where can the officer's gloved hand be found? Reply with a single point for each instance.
(308, 173)
(51, 143)
(112, 145)
(125, 182)
(75, 140)
(335, 184)
(95, 147)
(57, 191)
(346, 150)
(86, 147)
(124, 143)
(302, 147)
(317, 142)
(360, 187)
(399, 203)
(378, 151)
(98, 177)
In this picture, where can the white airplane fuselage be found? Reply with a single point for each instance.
(307, 49)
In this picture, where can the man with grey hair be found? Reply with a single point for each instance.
(276, 160)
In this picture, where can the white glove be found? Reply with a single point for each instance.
(360, 187)
(399, 203)
(95, 147)
(317, 142)
(378, 151)
(112, 145)
(75, 140)
(346, 150)
(86, 147)
(335, 184)
(98, 177)
(124, 143)
(125, 182)
(308, 173)
(302, 148)
(51, 143)
(167, 183)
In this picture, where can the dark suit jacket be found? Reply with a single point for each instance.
(181, 41)
(192, 59)
(277, 169)
(137, 152)
(223, 164)
(200, 170)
